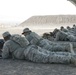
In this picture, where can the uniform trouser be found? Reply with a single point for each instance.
(37, 54)
(54, 46)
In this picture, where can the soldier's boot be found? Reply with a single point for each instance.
(73, 56)
(73, 59)
(71, 49)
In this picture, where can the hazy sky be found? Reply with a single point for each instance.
(20, 10)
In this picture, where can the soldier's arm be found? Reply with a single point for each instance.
(5, 52)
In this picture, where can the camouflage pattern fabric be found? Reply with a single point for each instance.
(66, 36)
(15, 47)
(35, 53)
(54, 46)
(39, 55)
(48, 45)
(12, 49)
(22, 41)
(60, 57)
(71, 38)
(33, 38)
(61, 36)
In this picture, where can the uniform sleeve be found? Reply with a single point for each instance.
(5, 51)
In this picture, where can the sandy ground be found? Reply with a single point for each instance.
(22, 67)
(18, 30)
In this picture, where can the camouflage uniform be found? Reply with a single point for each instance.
(55, 46)
(35, 39)
(37, 54)
(17, 47)
(11, 49)
(65, 36)
(14, 47)
(73, 31)
(61, 36)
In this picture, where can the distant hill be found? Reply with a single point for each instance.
(50, 19)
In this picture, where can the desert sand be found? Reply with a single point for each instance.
(18, 30)
(23, 67)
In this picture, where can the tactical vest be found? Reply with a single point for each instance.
(22, 41)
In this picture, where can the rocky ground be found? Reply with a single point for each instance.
(22, 67)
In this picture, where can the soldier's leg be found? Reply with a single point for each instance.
(73, 59)
(36, 54)
(61, 47)
(55, 46)
(73, 55)
(60, 57)
(63, 57)
(71, 49)
(57, 38)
